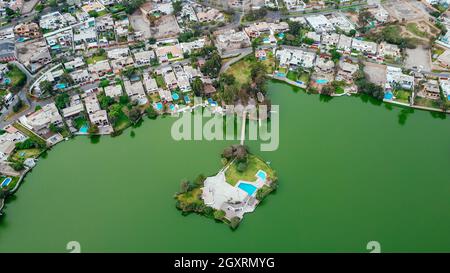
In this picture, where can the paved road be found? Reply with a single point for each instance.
(242, 53)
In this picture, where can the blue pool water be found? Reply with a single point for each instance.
(84, 129)
(321, 81)
(175, 96)
(279, 74)
(6, 182)
(186, 99)
(212, 102)
(248, 188)
(266, 39)
(388, 95)
(159, 106)
(61, 86)
(448, 97)
(135, 78)
(6, 80)
(262, 175)
(281, 35)
(172, 107)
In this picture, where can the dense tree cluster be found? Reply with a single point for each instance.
(255, 14)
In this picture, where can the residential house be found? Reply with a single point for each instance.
(396, 79)
(8, 141)
(294, 5)
(169, 53)
(330, 40)
(39, 59)
(73, 111)
(104, 23)
(367, 47)
(28, 30)
(76, 63)
(388, 50)
(121, 63)
(191, 72)
(295, 58)
(144, 57)
(135, 91)
(345, 44)
(170, 79)
(210, 15)
(99, 69)
(40, 120)
(341, 22)
(118, 53)
(346, 71)
(81, 76)
(430, 90)
(7, 51)
(189, 47)
(113, 91)
(231, 39)
(150, 84)
(320, 23)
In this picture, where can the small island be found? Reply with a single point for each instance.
(238, 188)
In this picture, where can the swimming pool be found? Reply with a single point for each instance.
(61, 86)
(6, 182)
(186, 99)
(262, 175)
(175, 96)
(248, 188)
(6, 80)
(321, 81)
(388, 95)
(84, 129)
(212, 102)
(279, 74)
(172, 107)
(159, 106)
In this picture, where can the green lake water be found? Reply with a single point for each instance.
(350, 172)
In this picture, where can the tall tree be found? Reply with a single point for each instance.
(197, 86)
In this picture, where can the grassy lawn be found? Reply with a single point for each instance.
(241, 71)
(154, 97)
(29, 133)
(436, 52)
(339, 90)
(254, 164)
(191, 197)
(413, 28)
(17, 77)
(160, 82)
(102, 12)
(13, 182)
(426, 102)
(292, 75)
(122, 122)
(28, 153)
(402, 95)
(79, 122)
(96, 58)
(283, 70)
